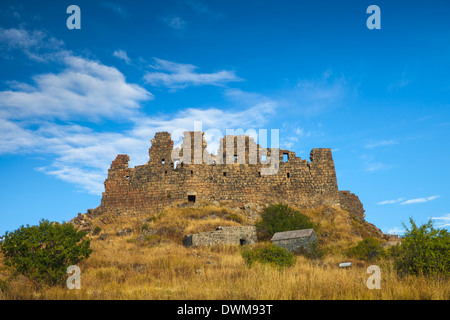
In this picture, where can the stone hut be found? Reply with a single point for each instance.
(222, 235)
(294, 240)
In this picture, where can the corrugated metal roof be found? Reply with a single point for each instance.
(292, 234)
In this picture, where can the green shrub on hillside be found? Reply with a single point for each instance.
(268, 254)
(314, 251)
(97, 230)
(368, 249)
(423, 251)
(42, 253)
(280, 217)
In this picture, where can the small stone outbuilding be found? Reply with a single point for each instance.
(295, 239)
(222, 236)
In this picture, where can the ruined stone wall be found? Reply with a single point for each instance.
(158, 183)
(296, 243)
(351, 203)
(222, 236)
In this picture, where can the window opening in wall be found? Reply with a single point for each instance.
(163, 161)
(235, 158)
(285, 157)
(192, 173)
(191, 198)
(263, 158)
(165, 172)
(224, 174)
(242, 242)
(287, 174)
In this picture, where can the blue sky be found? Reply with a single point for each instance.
(71, 100)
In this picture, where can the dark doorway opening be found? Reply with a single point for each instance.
(191, 199)
(242, 242)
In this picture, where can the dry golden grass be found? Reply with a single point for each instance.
(124, 268)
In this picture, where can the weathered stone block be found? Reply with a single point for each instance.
(222, 236)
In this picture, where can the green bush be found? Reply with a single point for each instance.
(268, 254)
(314, 251)
(42, 253)
(97, 230)
(368, 249)
(423, 251)
(280, 217)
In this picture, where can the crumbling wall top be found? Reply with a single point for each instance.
(121, 162)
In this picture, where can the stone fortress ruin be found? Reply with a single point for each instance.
(241, 172)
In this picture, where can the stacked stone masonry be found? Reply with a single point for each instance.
(292, 242)
(222, 236)
(191, 174)
(351, 203)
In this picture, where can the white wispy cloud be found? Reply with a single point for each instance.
(121, 54)
(117, 9)
(177, 75)
(369, 164)
(312, 97)
(291, 135)
(201, 8)
(15, 138)
(403, 201)
(84, 89)
(88, 180)
(14, 11)
(198, 6)
(175, 23)
(381, 143)
(37, 45)
(442, 221)
(391, 201)
(420, 200)
(395, 231)
(376, 166)
(401, 83)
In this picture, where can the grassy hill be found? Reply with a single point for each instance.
(142, 257)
